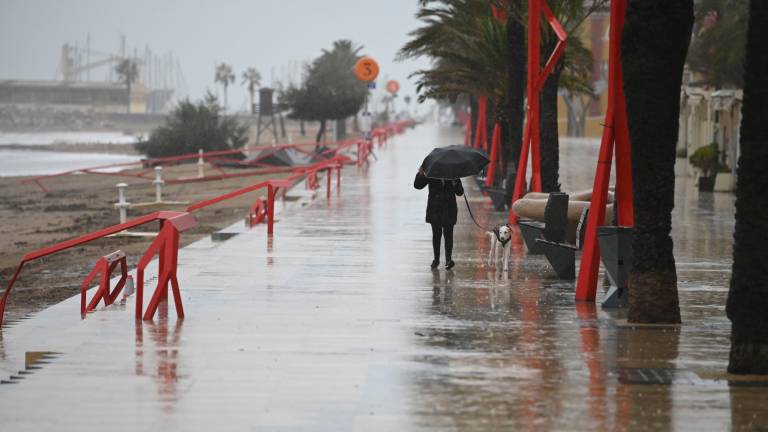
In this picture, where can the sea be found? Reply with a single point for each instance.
(18, 162)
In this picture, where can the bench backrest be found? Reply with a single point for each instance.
(556, 217)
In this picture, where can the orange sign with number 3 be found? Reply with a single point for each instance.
(366, 69)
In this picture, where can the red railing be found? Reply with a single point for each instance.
(253, 169)
(172, 221)
(166, 243)
(104, 268)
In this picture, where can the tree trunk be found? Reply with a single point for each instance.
(341, 129)
(550, 142)
(302, 130)
(654, 46)
(512, 131)
(320, 132)
(748, 295)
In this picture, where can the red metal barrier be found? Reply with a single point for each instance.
(104, 267)
(312, 182)
(495, 151)
(467, 131)
(615, 139)
(481, 128)
(148, 174)
(257, 213)
(272, 187)
(166, 243)
(536, 78)
(166, 246)
(334, 149)
(181, 221)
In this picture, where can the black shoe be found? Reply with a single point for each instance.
(434, 264)
(449, 264)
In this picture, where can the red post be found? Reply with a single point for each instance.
(165, 245)
(104, 266)
(495, 144)
(536, 78)
(328, 176)
(270, 210)
(615, 139)
(467, 130)
(482, 123)
(338, 177)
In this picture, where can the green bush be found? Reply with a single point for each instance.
(706, 160)
(193, 126)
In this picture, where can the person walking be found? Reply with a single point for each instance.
(441, 212)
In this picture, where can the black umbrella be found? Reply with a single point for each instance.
(454, 162)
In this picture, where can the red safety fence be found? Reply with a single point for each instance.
(147, 173)
(104, 268)
(166, 244)
(173, 223)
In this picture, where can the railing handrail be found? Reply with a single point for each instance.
(278, 183)
(181, 220)
(187, 156)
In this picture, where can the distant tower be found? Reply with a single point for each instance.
(266, 109)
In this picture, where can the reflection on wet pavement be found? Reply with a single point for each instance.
(339, 324)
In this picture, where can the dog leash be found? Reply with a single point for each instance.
(473, 216)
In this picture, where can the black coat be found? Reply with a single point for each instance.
(441, 203)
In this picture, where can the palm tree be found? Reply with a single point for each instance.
(572, 73)
(654, 45)
(128, 72)
(512, 129)
(252, 77)
(717, 47)
(748, 295)
(225, 77)
(477, 55)
(330, 91)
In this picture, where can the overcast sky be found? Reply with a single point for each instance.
(271, 35)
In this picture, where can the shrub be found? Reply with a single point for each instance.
(193, 126)
(706, 160)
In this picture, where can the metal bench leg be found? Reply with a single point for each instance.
(530, 234)
(562, 259)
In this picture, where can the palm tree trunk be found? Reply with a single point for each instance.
(550, 142)
(512, 129)
(748, 295)
(320, 132)
(654, 45)
(341, 129)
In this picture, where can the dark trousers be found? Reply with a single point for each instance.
(444, 231)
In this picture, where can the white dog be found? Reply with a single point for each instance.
(500, 237)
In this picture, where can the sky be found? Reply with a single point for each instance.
(271, 35)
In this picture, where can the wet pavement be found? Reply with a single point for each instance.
(338, 324)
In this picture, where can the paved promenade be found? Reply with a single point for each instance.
(338, 324)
